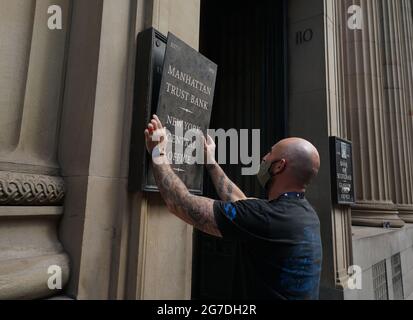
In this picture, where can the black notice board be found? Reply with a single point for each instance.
(341, 153)
(177, 83)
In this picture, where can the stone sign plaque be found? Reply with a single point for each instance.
(185, 103)
(342, 171)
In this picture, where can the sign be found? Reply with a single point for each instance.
(177, 83)
(185, 103)
(341, 154)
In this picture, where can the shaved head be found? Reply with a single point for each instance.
(302, 160)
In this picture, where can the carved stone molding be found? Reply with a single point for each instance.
(378, 215)
(406, 213)
(30, 190)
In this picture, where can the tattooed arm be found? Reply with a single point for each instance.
(226, 189)
(197, 211)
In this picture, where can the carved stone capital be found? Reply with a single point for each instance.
(30, 189)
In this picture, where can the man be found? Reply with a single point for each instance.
(281, 235)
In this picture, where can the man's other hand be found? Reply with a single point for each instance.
(155, 137)
(209, 150)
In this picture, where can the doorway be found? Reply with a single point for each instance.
(247, 41)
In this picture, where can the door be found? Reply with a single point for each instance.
(246, 40)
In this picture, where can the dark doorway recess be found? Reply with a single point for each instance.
(247, 41)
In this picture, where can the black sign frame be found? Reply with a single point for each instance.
(151, 46)
(341, 164)
(150, 98)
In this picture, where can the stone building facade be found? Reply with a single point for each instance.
(66, 101)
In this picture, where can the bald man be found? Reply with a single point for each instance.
(280, 235)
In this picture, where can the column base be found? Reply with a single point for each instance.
(406, 213)
(29, 247)
(376, 214)
(342, 278)
(28, 278)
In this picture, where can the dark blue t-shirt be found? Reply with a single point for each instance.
(282, 245)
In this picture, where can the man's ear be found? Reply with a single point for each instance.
(280, 166)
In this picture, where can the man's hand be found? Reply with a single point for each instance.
(209, 150)
(226, 189)
(155, 138)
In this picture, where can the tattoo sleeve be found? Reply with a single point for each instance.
(226, 189)
(195, 210)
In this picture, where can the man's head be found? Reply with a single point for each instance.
(295, 162)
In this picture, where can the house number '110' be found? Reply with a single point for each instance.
(304, 36)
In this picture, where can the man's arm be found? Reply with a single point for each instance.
(226, 189)
(197, 211)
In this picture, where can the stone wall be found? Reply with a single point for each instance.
(374, 245)
(122, 245)
(32, 191)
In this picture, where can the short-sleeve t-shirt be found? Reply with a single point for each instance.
(282, 245)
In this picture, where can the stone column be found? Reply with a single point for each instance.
(397, 33)
(32, 60)
(341, 215)
(366, 121)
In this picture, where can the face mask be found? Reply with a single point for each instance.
(264, 175)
